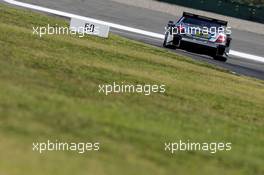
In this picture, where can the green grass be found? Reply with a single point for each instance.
(49, 90)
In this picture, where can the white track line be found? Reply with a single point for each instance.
(118, 26)
(246, 55)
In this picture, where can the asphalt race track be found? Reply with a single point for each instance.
(154, 21)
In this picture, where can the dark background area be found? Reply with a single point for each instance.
(252, 10)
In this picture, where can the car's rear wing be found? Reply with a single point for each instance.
(221, 22)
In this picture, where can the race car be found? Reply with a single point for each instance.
(199, 34)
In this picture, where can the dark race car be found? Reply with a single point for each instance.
(199, 34)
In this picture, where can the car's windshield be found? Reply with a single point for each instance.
(200, 22)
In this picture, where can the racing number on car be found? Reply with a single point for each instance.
(89, 27)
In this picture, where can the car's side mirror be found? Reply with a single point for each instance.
(170, 23)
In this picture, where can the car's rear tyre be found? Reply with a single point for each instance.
(166, 40)
(219, 54)
(176, 41)
(220, 58)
